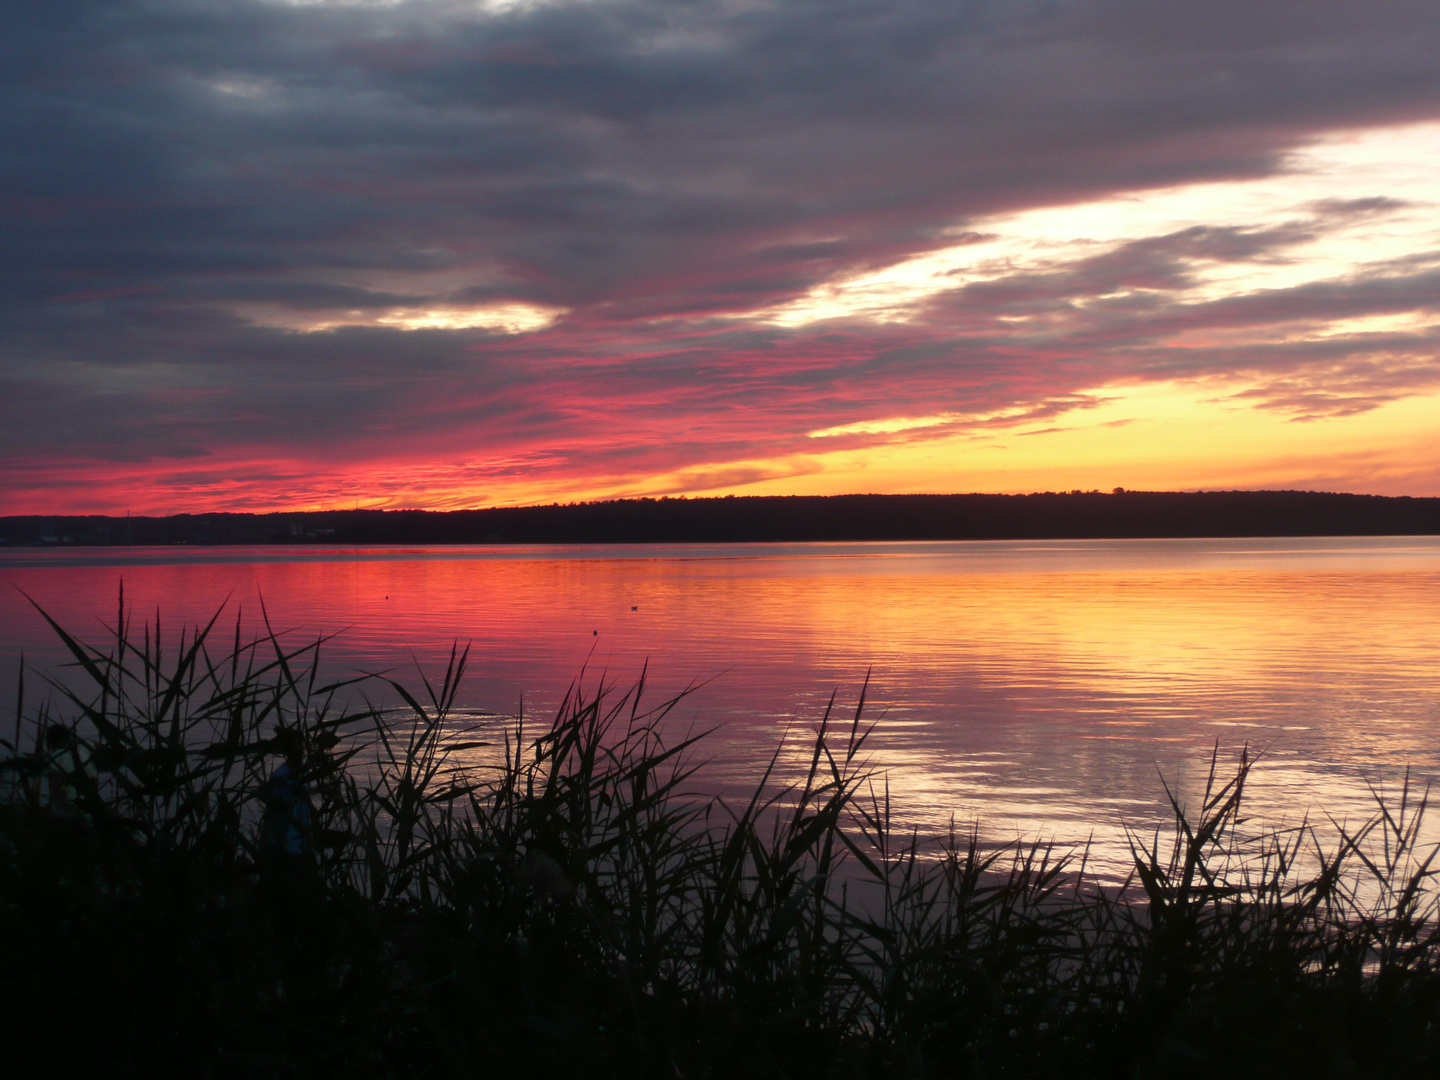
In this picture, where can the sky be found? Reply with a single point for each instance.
(272, 254)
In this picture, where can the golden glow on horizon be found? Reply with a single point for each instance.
(1155, 436)
(1152, 437)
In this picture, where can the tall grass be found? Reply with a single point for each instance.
(466, 898)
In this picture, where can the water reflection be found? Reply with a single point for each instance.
(1038, 687)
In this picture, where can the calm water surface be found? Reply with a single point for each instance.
(1036, 686)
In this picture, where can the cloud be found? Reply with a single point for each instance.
(622, 240)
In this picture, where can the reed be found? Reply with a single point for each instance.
(212, 859)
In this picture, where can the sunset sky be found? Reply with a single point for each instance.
(270, 254)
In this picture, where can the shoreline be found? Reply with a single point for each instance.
(1118, 515)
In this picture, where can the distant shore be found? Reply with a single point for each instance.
(751, 519)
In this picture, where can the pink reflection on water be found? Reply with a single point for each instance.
(1038, 687)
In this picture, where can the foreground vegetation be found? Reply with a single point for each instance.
(563, 906)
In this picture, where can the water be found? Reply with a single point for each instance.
(1039, 687)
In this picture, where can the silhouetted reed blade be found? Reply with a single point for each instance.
(218, 862)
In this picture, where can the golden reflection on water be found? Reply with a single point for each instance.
(1037, 687)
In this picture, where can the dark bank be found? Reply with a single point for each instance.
(753, 519)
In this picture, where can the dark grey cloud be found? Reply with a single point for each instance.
(583, 152)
